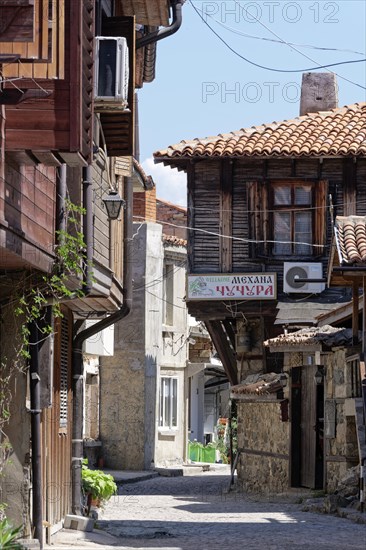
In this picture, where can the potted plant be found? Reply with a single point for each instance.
(97, 485)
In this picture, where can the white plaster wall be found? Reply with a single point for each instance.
(170, 446)
(128, 379)
(153, 339)
(197, 407)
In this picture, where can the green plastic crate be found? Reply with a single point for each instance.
(194, 451)
(208, 454)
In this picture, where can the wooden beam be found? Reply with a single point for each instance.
(190, 214)
(226, 215)
(355, 314)
(364, 319)
(223, 348)
(229, 331)
(349, 187)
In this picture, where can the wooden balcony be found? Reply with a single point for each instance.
(34, 30)
(58, 128)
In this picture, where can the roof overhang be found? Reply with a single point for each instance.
(342, 271)
(147, 12)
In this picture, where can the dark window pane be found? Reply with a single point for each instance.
(282, 233)
(303, 233)
(282, 196)
(303, 195)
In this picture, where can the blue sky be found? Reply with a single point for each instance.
(202, 88)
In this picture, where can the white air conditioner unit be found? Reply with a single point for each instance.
(293, 271)
(111, 73)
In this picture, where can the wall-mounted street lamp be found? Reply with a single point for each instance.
(283, 379)
(319, 376)
(113, 204)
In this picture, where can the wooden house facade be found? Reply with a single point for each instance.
(58, 144)
(261, 203)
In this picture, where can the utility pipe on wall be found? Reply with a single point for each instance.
(35, 411)
(88, 227)
(35, 381)
(159, 34)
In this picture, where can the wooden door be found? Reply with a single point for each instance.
(57, 430)
(308, 427)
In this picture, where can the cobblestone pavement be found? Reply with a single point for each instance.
(197, 513)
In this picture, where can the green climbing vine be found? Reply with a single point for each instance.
(29, 297)
(54, 288)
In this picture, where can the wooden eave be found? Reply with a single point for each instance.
(217, 309)
(147, 12)
(346, 275)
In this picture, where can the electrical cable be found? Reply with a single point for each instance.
(240, 239)
(292, 47)
(274, 69)
(280, 41)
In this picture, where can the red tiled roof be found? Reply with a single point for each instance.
(330, 336)
(338, 132)
(350, 233)
(265, 384)
(171, 239)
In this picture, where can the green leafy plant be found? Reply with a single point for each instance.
(99, 485)
(9, 535)
(31, 293)
(54, 288)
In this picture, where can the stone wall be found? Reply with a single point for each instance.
(129, 378)
(15, 481)
(341, 450)
(200, 349)
(263, 441)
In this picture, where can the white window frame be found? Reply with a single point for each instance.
(166, 424)
(168, 294)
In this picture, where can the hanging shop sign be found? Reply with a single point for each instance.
(232, 286)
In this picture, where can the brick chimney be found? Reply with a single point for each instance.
(319, 92)
(144, 205)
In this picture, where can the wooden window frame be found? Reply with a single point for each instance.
(168, 293)
(260, 217)
(273, 184)
(354, 374)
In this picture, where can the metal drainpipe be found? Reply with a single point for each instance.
(77, 352)
(35, 410)
(166, 31)
(88, 227)
(35, 381)
(60, 198)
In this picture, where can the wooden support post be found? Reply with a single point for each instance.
(355, 314)
(226, 215)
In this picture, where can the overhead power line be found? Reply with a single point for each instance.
(272, 68)
(280, 41)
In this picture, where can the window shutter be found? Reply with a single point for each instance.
(258, 218)
(321, 215)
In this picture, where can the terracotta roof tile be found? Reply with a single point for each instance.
(338, 132)
(262, 384)
(328, 335)
(176, 241)
(350, 235)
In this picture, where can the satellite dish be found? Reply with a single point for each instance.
(294, 273)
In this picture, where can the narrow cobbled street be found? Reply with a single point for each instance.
(196, 512)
